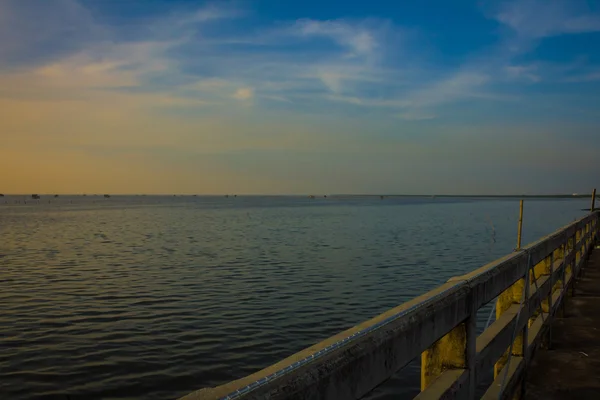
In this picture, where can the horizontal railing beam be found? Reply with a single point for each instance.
(451, 384)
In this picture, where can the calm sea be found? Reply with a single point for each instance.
(153, 297)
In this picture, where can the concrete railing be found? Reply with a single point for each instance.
(529, 286)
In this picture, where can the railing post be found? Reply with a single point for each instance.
(520, 228)
(578, 254)
(572, 268)
(512, 295)
(525, 335)
(567, 252)
(593, 200)
(588, 243)
(449, 352)
(515, 294)
(560, 254)
(472, 348)
(455, 350)
(543, 268)
(553, 285)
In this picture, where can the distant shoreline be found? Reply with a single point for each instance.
(501, 196)
(510, 196)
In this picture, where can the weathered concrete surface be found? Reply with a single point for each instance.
(571, 368)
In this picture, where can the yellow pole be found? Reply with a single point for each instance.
(520, 225)
(593, 200)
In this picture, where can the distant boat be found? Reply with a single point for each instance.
(195, 195)
(106, 196)
(55, 196)
(1, 195)
(311, 197)
(381, 197)
(226, 195)
(35, 196)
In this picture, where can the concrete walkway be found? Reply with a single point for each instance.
(571, 368)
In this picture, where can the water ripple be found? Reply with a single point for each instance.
(153, 297)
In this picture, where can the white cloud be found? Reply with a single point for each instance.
(371, 102)
(531, 21)
(359, 40)
(211, 12)
(523, 72)
(542, 18)
(243, 94)
(459, 86)
(332, 80)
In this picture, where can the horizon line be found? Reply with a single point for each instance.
(304, 194)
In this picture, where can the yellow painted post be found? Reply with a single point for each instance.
(579, 252)
(582, 248)
(455, 350)
(543, 268)
(587, 241)
(559, 254)
(571, 247)
(566, 271)
(520, 225)
(512, 295)
(593, 200)
(574, 269)
(450, 352)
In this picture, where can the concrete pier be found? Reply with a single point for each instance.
(570, 368)
(529, 288)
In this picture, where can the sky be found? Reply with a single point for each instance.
(299, 97)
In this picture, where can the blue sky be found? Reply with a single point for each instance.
(158, 96)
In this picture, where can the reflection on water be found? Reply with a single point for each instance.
(153, 297)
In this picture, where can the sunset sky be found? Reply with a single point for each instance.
(297, 97)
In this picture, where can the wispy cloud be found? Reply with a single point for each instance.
(334, 61)
(593, 76)
(526, 72)
(359, 39)
(243, 94)
(459, 86)
(343, 61)
(543, 18)
(212, 12)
